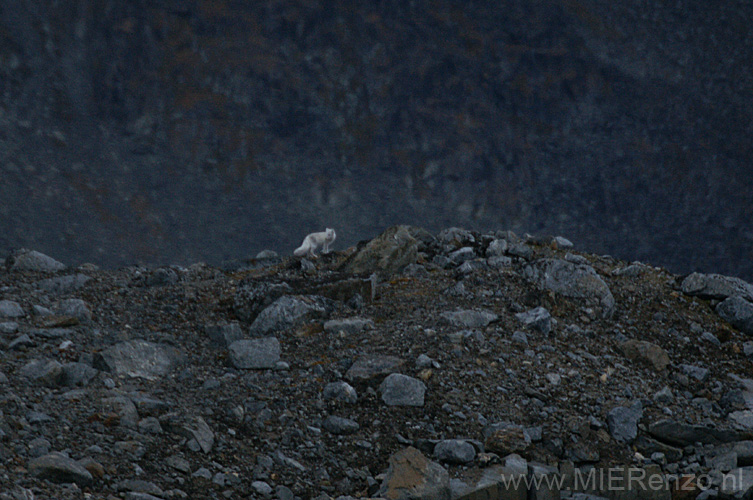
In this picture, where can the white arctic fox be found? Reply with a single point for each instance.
(314, 242)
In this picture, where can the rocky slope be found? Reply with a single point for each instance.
(411, 364)
(176, 131)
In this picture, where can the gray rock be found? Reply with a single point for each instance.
(266, 254)
(224, 334)
(22, 340)
(138, 358)
(11, 309)
(577, 281)
(78, 374)
(179, 463)
(469, 318)
(682, 434)
(373, 366)
(31, 260)
(520, 250)
(737, 483)
(499, 262)
(412, 476)
(496, 248)
(454, 451)
(194, 428)
(742, 419)
(537, 319)
(386, 254)
(664, 395)
(260, 353)
(716, 286)
(136, 495)
(623, 422)
(261, 488)
(563, 242)
(52, 333)
(63, 284)
(253, 297)
(340, 425)
(8, 327)
(288, 312)
(646, 353)
(124, 408)
(519, 337)
(44, 371)
(349, 326)
(58, 468)
(456, 237)
(738, 312)
(461, 255)
(696, 372)
(340, 391)
(76, 308)
(415, 271)
(402, 390)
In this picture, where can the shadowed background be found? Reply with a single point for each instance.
(179, 131)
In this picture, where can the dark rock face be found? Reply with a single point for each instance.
(168, 128)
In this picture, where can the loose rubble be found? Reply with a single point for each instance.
(412, 366)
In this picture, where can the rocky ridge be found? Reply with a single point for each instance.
(410, 366)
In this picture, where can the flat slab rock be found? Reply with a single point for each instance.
(58, 468)
(716, 286)
(682, 434)
(288, 312)
(469, 318)
(370, 367)
(138, 358)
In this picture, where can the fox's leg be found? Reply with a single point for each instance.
(326, 248)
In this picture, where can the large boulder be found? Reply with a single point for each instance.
(289, 312)
(716, 286)
(386, 254)
(573, 280)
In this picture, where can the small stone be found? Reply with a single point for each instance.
(340, 425)
(75, 308)
(412, 475)
(623, 422)
(11, 309)
(469, 318)
(349, 326)
(373, 366)
(454, 451)
(664, 395)
(646, 353)
(496, 248)
(224, 334)
(402, 390)
(261, 488)
(462, 255)
(696, 372)
(504, 438)
(138, 358)
(537, 319)
(340, 391)
(8, 327)
(519, 337)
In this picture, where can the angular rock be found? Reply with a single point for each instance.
(401, 390)
(461, 255)
(696, 372)
(224, 334)
(340, 425)
(75, 308)
(386, 254)
(411, 476)
(44, 371)
(537, 319)
(454, 451)
(577, 281)
(8, 327)
(623, 422)
(340, 391)
(374, 366)
(31, 260)
(716, 286)
(123, 408)
(469, 318)
(682, 434)
(191, 427)
(738, 312)
(349, 326)
(649, 354)
(58, 468)
(138, 358)
(78, 374)
(258, 354)
(288, 312)
(63, 284)
(504, 438)
(253, 297)
(11, 309)
(496, 248)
